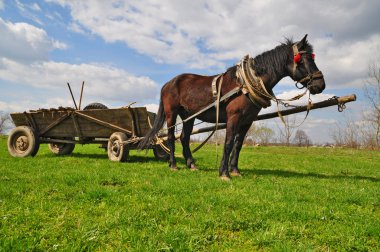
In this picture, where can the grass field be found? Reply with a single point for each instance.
(289, 199)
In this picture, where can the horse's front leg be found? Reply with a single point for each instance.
(238, 143)
(228, 145)
(185, 140)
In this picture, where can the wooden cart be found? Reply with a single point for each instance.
(117, 130)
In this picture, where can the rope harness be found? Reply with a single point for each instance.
(253, 86)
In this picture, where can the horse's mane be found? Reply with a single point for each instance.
(272, 62)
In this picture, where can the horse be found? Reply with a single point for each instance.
(187, 94)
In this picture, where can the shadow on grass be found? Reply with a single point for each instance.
(142, 159)
(293, 174)
(76, 155)
(131, 159)
(284, 173)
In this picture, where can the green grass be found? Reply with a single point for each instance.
(289, 199)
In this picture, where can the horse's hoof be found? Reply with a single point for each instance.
(193, 167)
(235, 174)
(225, 178)
(173, 168)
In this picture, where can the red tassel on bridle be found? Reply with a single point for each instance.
(297, 58)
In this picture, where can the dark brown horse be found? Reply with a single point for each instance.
(187, 94)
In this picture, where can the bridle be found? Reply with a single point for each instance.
(311, 76)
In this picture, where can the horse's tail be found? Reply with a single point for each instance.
(157, 125)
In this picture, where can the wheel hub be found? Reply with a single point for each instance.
(22, 143)
(115, 148)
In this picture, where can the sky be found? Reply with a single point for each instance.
(125, 51)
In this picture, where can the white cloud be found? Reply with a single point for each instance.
(35, 7)
(29, 11)
(10, 107)
(75, 27)
(204, 34)
(26, 43)
(103, 81)
(24, 61)
(58, 44)
(346, 64)
(152, 107)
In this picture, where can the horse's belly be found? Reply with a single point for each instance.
(210, 116)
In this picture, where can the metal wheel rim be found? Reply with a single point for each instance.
(20, 143)
(58, 146)
(115, 148)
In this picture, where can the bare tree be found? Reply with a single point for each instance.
(337, 134)
(366, 131)
(5, 122)
(301, 138)
(286, 130)
(259, 134)
(218, 137)
(372, 94)
(347, 133)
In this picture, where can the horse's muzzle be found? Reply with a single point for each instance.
(317, 86)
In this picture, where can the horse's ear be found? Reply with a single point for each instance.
(302, 43)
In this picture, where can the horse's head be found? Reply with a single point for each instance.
(303, 68)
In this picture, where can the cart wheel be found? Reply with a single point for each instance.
(62, 148)
(95, 105)
(23, 142)
(160, 153)
(117, 150)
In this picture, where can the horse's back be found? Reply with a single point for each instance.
(191, 91)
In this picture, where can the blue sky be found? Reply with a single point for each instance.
(126, 50)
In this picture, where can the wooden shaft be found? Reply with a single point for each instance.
(81, 94)
(72, 96)
(317, 105)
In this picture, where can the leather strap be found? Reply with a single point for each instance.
(213, 86)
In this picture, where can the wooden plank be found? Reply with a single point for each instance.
(143, 123)
(104, 123)
(54, 123)
(60, 127)
(19, 119)
(76, 126)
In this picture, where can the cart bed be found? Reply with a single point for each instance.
(96, 123)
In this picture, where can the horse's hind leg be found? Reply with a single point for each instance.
(170, 121)
(185, 140)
